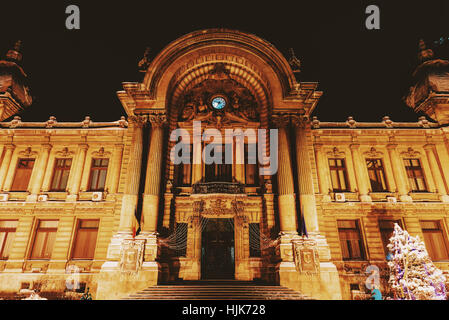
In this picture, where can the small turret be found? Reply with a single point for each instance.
(14, 91)
(430, 90)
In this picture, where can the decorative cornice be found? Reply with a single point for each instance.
(51, 123)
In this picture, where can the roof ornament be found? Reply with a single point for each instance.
(424, 53)
(351, 122)
(423, 122)
(122, 122)
(144, 63)
(50, 122)
(14, 53)
(86, 122)
(15, 122)
(294, 62)
(387, 121)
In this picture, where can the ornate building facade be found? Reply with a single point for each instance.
(103, 203)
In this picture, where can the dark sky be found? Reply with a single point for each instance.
(362, 73)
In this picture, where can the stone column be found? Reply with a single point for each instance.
(5, 164)
(116, 166)
(78, 172)
(153, 175)
(40, 172)
(398, 174)
(360, 172)
(131, 192)
(286, 191)
(436, 172)
(305, 182)
(323, 172)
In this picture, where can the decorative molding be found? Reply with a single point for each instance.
(219, 206)
(410, 153)
(65, 153)
(305, 256)
(28, 153)
(131, 255)
(101, 153)
(373, 153)
(336, 153)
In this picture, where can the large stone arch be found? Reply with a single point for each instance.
(256, 62)
(251, 53)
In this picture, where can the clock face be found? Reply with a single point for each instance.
(218, 103)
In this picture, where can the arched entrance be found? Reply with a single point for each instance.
(217, 249)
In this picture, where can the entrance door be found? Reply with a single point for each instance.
(217, 250)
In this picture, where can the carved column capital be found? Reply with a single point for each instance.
(392, 146)
(428, 146)
(280, 120)
(83, 146)
(10, 146)
(138, 121)
(157, 120)
(299, 120)
(318, 146)
(46, 146)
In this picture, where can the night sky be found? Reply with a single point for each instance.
(363, 73)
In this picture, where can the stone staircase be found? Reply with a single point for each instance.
(217, 290)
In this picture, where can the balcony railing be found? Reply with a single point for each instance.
(218, 187)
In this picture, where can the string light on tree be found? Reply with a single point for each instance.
(413, 276)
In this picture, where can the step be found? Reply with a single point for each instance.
(217, 290)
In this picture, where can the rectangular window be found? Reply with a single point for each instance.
(181, 239)
(217, 172)
(339, 175)
(376, 175)
(251, 168)
(415, 175)
(254, 240)
(386, 228)
(183, 171)
(350, 240)
(98, 172)
(22, 175)
(7, 232)
(44, 239)
(435, 240)
(85, 239)
(60, 174)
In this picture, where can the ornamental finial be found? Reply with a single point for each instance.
(14, 53)
(424, 53)
(294, 62)
(144, 63)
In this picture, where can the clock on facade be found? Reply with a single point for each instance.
(218, 102)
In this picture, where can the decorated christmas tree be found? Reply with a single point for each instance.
(413, 276)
